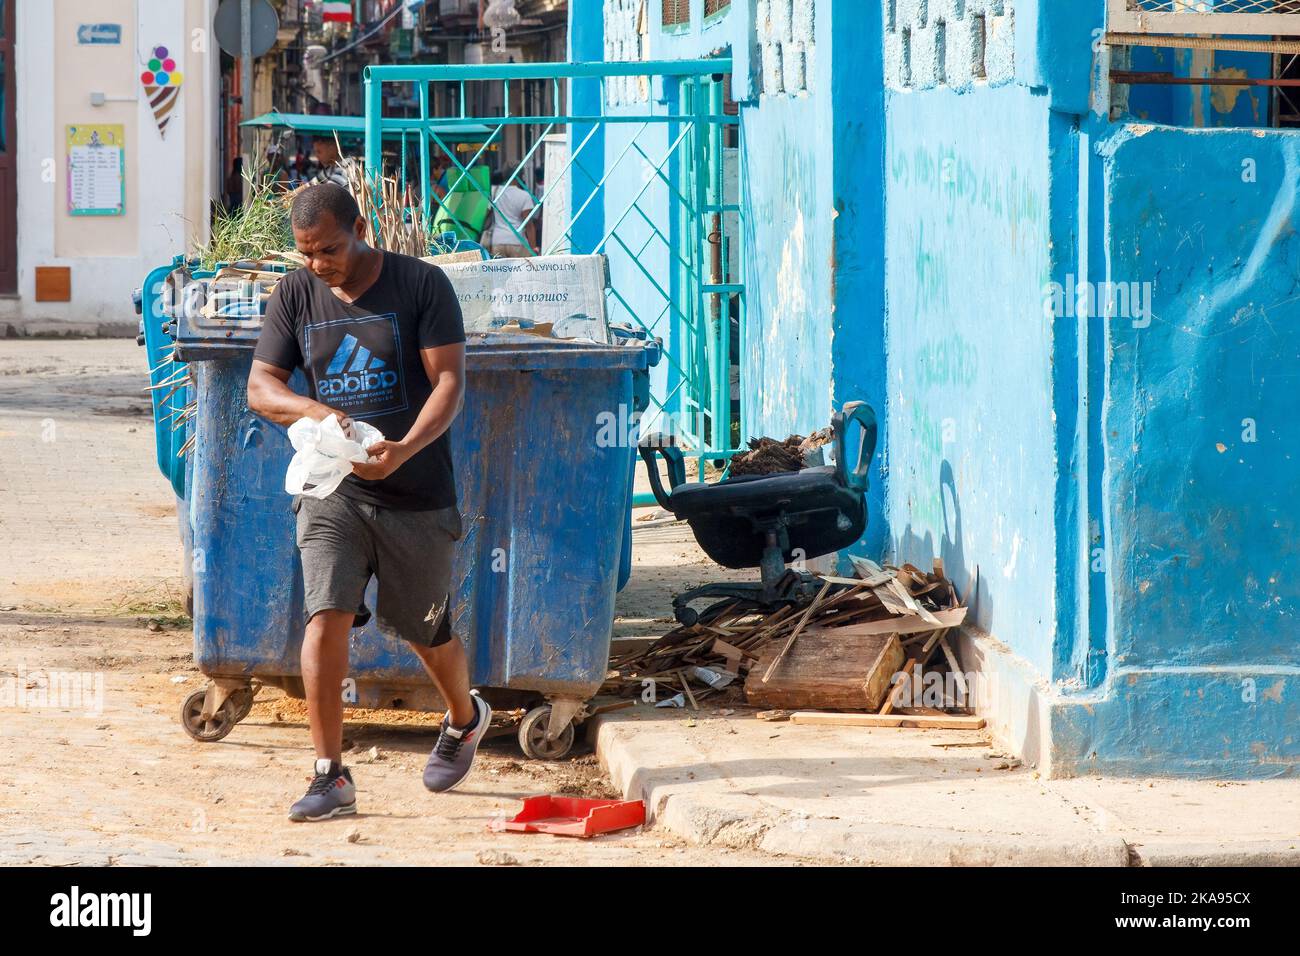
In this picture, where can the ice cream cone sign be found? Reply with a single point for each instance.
(162, 84)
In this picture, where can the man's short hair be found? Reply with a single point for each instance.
(330, 198)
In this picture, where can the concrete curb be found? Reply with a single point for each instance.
(42, 329)
(741, 822)
(1272, 853)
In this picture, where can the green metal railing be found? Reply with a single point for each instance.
(673, 141)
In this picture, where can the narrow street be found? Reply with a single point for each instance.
(92, 586)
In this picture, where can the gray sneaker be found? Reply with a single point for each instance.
(331, 794)
(453, 754)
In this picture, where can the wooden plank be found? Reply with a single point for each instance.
(911, 603)
(828, 669)
(871, 573)
(921, 658)
(946, 722)
(910, 624)
(789, 641)
(733, 655)
(955, 665)
(681, 676)
(897, 693)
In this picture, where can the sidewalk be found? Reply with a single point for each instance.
(924, 797)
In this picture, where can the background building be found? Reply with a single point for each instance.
(79, 65)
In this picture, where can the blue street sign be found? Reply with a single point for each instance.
(95, 33)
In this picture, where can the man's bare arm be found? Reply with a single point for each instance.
(445, 367)
(270, 396)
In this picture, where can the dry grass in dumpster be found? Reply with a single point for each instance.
(256, 243)
(857, 634)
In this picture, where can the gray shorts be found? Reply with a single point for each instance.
(343, 542)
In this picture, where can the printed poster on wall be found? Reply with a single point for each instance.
(96, 169)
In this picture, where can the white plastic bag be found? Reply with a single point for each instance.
(324, 453)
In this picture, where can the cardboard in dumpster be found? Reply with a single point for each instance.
(572, 816)
(566, 293)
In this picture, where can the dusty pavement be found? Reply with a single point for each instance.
(90, 589)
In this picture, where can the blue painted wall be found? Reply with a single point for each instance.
(1200, 448)
(1120, 480)
(813, 235)
(971, 460)
(1109, 492)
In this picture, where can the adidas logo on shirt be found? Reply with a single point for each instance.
(354, 370)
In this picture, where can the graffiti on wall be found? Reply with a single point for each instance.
(1000, 194)
(943, 302)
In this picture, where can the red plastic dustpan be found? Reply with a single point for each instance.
(571, 816)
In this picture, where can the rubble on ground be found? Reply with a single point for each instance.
(843, 651)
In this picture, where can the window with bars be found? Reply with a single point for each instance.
(715, 6)
(1242, 17)
(676, 12)
(1263, 31)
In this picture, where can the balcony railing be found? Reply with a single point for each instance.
(1243, 17)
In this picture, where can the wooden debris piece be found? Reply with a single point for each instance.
(829, 669)
(686, 686)
(734, 656)
(911, 624)
(871, 573)
(946, 722)
(955, 666)
(922, 656)
(785, 648)
(897, 693)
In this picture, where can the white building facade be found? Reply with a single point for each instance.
(75, 254)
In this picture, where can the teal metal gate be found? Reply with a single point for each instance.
(648, 173)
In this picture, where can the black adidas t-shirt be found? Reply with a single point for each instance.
(363, 360)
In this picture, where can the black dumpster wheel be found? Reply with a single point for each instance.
(532, 736)
(222, 722)
(243, 701)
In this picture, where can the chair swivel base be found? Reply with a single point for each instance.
(793, 588)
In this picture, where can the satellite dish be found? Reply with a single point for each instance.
(226, 24)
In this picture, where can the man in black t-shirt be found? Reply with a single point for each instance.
(380, 338)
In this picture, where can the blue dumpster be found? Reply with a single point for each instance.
(546, 501)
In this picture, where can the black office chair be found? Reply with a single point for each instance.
(761, 521)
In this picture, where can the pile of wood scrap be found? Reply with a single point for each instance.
(854, 647)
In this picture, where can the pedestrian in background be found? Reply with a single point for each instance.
(511, 206)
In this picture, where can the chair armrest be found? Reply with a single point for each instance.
(865, 416)
(650, 447)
